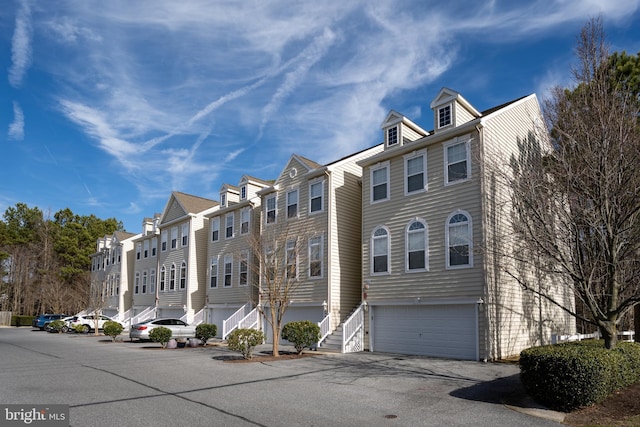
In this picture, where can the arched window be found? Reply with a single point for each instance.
(380, 250)
(416, 246)
(459, 240)
(183, 275)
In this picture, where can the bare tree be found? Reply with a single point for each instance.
(277, 255)
(577, 201)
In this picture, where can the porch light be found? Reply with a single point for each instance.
(480, 301)
(365, 306)
(325, 307)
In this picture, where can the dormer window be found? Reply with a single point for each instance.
(243, 192)
(392, 136)
(223, 200)
(444, 116)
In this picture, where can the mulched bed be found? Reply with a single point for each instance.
(612, 412)
(266, 356)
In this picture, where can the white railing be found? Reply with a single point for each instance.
(555, 338)
(325, 329)
(231, 323)
(251, 320)
(352, 332)
(198, 318)
(145, 314)
(124, 317)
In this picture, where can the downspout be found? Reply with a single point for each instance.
(481, 309)
(329, 245)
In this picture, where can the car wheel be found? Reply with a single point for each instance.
(65, 329)
(85, 329)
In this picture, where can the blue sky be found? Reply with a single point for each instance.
(108, 106)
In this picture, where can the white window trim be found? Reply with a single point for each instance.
(373, 169)
(467, 143)
(233, 228)
(152, 281)
(173, 237)
(275, 209)
(215, 226)
(184, 242)
(228, 259)
(244, 256)
(162, 283)
(470, 237)
(371, 252)
(440, 108)
(164, 240)
(321, 250)
(296, 259)
(425, 182)
(136, 284)
(183, 277)
(214, 261)
(297, 204)
(144, 287)
(248, 213)
(397, 129)
(426, 246)
(172, 271)
(315, 182)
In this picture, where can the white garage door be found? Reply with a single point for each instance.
(429, 330)
(294, 314)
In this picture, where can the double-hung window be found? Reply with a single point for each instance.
(380, 245)
(174, 237)
(316, 191)
(228, 233)
(145, 281)
(459, 243)
(145, 250)
(416, 241)
(270, 208)
(213, 273)
(183, 275)
(136, 287)
(457, 162)
(243, 268)
(215, 229)
(154, 246)
(415, 167)
(292, 259)
(172, 278)
(292, 204)
(315, 256)
(185, 234)
(245, 215)
(228, 270)
(152, 281)
(163, 240)
(380, 182)
(138, 250)
(163, 276)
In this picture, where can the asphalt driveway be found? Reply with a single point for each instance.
(124, 383)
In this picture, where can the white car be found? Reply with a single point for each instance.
(88, 322)
(179, 329)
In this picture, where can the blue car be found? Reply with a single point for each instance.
(41, 321)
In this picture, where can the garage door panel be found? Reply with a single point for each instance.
(442, 331)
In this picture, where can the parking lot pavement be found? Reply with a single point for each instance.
(127, 383)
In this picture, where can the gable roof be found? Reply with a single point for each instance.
(447, 95)
(181, 204)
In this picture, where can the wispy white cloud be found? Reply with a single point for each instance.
(21, 45)
(176, 93)
(16, 128)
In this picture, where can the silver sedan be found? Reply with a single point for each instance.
(179, 329)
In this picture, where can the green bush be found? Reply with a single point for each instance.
(206, 331)
(112, 329)
(244, 341)
(301, 334)
(56, 326)
(571, 375)
(160, 334)
(81, 329)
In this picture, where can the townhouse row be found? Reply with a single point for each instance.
(389, 248)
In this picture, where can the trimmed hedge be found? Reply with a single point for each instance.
(206, 331)
(301, 334)
(18, 320)
(112, 329)
(244, 341)
(161, 334)
(572, 375)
